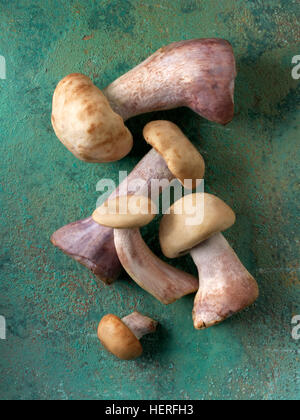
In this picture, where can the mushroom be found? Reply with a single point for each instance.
(121, 337)
(161, 280)
(92, 244)
(180, 155)
(194, 226)
(199, 74)
(132, 211)
(84, 122)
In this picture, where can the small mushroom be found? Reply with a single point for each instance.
(199, 74)
(121, 337)
(92, 244)
(159, 279)
(225, 286)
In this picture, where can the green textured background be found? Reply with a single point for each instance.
(51, 303)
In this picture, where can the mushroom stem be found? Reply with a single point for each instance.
(198, 74)
(140, 325)
(93, 245)
(226, 287)
(164, 282)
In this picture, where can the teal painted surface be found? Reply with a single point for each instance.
(52, 304)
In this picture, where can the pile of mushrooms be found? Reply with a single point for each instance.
(199, 74)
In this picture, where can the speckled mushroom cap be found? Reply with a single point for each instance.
(118, 339)
(192, 220)
(126, 212)
(181, 156)
(85, 123)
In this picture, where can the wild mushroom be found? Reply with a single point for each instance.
(92, 244)
(127, 211)
(121, 337)
(199, 74)
(84, 122)
(161, 280)
(225, 286)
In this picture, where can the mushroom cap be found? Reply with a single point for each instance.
(192, 220)
(85, 123)
(118, 339)
(126, 212)
(181, 156)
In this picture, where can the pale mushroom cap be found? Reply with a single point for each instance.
(192, 220)
(181, 156)
(126, 212)
(84, 122)
(118, 339)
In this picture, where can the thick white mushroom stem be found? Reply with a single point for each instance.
(226, 287)
(164, 282)
(198, 73)
(140, 325)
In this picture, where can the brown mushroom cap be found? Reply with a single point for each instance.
(192, 220)
(181, 156)
(84, 122)
(126, 212)
(118, 339)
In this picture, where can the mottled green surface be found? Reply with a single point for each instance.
(52, 304)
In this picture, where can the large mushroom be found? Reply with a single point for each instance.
(121, 337)
(92, 244)
(199, 74)
(161, 280)
(194, 225)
